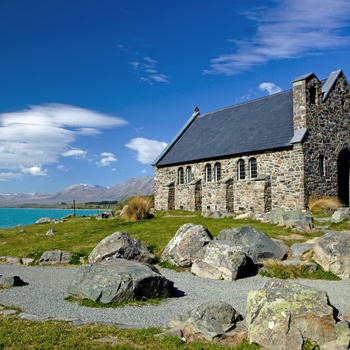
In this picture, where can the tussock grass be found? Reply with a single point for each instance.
(275, 269)
(138, 209)
(318, 205)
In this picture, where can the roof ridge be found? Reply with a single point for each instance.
(246, 102)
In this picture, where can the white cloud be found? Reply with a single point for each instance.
(74, 152)
(292, 29)
(9, 176)
(35, 170)
(106, 159)
(41, 134)
(147, 150)
(270, 88)
(146, 67)
(144, 171)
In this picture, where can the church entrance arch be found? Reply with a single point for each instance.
(343, 176)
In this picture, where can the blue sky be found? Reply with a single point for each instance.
(92, 90)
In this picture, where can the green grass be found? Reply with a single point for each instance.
(274, 269)
(80, 235)
(17, 334)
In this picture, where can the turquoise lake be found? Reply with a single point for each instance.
(11, 217)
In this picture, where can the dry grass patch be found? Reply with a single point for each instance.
(318, 205)
(138, 209)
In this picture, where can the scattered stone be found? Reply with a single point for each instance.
(13, 281)
(340, 215)
(120, 245)
(210, 320)
(310, 267)
(11, 260)
(282, 314)
(301, 220)
(184, 247)
(248, 215)
(125, 208)
(43, 220)
(221, 260)
(254, 243)
(27, 261)
(50, 232)
(332, 252)
(299, 249)
(8, 312)
(119, 280)
(55, 257)
(30, 317)
(174, 332)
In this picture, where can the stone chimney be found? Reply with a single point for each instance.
(306, 93)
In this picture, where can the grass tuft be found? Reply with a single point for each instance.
(138, 209)
(318, 205)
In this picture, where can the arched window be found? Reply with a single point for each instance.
(208, 175)
(217, 171)
(188, 174)
(241, 170)
(181, 176)
(253, 168)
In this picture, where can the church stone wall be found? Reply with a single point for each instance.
(328, 125)
(283, 186)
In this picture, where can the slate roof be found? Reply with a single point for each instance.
(261, 124)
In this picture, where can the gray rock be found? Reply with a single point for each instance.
(300, 220)
(12, 260)
(332, 252)
(27, 261)
(254, 243)
(125, 208)
(55, 257)
(299, 249)
(119, 280)
(309, 267)
(283, 314)
(184, 247)
(120, 245)
(43, 220)
(11, 281)
(50, 232)
(212, 320)
(340, 215)
(222, 260)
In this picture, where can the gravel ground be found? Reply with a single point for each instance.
(47, 288)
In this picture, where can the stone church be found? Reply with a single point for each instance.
(273, 152)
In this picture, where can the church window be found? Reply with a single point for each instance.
(253, 168)
(208, 175)
(241, 169)
(181, 176)
(312, 93)
(217, 169)
(188, 174)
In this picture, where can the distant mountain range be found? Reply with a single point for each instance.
(82, 193)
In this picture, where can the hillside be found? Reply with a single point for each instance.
(82, 193)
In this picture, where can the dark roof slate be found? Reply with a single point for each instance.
(261, 124)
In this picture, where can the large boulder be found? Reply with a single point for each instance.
(120, 245)
(301, 220)
(332, 252)
(254, 243)
(184, 247)
(282, 314)
(210, 320)
(119, 280)
(221, 260)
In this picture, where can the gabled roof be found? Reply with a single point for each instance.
(262, 124)
(328, 85)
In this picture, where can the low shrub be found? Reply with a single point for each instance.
(318, 205)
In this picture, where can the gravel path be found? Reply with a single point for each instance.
(47, 288)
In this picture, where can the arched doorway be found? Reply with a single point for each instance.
(343, 176)
(198, 197)
(171, 197)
